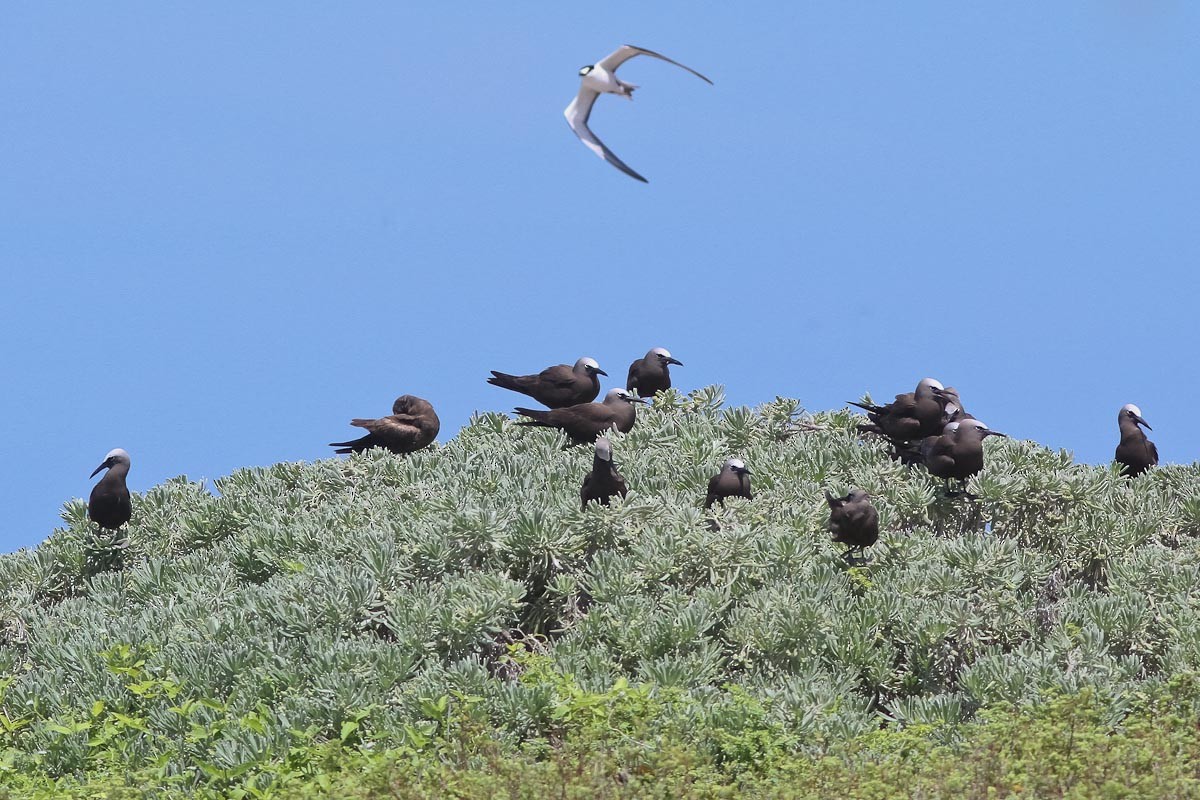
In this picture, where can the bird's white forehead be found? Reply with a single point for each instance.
(117, 453)
(587, 362)
(1131, 407)
(735, 463)
(951, 428)
(661, 351)
(604, 448)
(930, 383)
(621, 393)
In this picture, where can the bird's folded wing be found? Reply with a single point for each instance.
(577, 114)
(628, 51)
(560, 375)
(393, 426)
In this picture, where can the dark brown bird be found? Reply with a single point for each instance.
(732, 481)
(853, 521)
(413, 425)
(958, 453)
(910, 416)
(556, 387)
(952, 410)
(1135, 453)
(109, 505)
(582, 423)
(650, 374)
(604, 480)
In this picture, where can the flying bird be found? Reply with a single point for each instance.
(650, 374)
(109, 505)
(732, 481)
(601, 78)
(558, 386)
(582, 423)
(413, 425)
(605, 480)
(1135, 453)
(853, 521)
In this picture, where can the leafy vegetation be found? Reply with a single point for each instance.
(452, 619)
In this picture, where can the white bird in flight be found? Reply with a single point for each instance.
(601, 77)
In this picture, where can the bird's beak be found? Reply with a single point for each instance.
(743, 471)
(990, 432)
(1141, 421)
(98, 469)
(642, 400)
(675, 361)
(937, 391)
(601, 372)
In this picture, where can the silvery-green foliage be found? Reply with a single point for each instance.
(305, 593)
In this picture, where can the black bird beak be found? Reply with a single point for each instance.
(742, 471)
(990, 432)
(675, 361)
(1141, 421)
(636, 399)
(601, 372)
(98, 469)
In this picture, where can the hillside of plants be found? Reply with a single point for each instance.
(452, 624)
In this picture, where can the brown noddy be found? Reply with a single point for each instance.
(558, 386)
(413, 425)
(912, 415)
(582, 423)
(650, 375)
(853, 521)
(1135, 453)
(109, 505)
(604, 480)
(958, 453)
(952, 410)
(732, 481)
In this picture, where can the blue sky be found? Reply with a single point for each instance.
(226, 229)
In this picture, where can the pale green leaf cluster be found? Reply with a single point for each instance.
(351, 591)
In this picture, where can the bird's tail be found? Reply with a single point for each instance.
(352, 446)
(535, 417)
(504, 381)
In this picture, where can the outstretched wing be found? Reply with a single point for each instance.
(628, 51)
(577, 114)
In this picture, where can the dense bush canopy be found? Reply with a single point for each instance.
(342, 600)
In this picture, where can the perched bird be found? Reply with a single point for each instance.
(556, 387)
(601, 78)
(649, 375)
(109, 505)
(853, 521)
(958, 453)
(910, 416)
(604, 480)
(582, 423)
(952, 410)
(1135, 453)
(413, 425)
(732, 481)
